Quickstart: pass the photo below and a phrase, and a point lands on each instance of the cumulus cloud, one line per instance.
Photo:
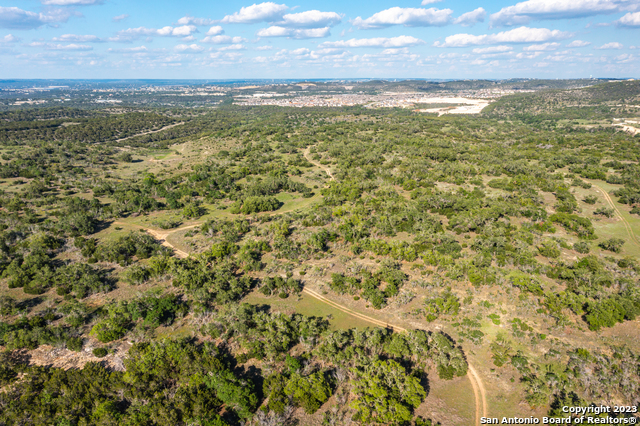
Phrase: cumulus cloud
(612, 45)
(264, 48)
(131, 34)
(69, 47)
(223, 39)
(188, 48)
(71, 2)
(190, 20)
(578, 43)
(310, 19)
(70, 38)
(524, 12)
(120, 18)
(233, 47)
(492, 49)
(517, 35)
(277, 31)
(263, 12)
(629, 20)
(541, 47)
(470, 18)
(139, 49)
(214, 31)
(17, 19)
(409, 17)
(9, 38)
(401, 41)
(426, 2)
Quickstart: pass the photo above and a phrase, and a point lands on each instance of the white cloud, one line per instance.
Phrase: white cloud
(517, 35)
(214, 31)
(69, 47)
(541, 47)
(120, 18)
(612, 45)
(578, 43)
(492, 49)
(310, 19)
(264, 48)
(131, 34)
(470, 18)
(629, 20)
(426, 2)
(139, 49)
(190, 20)
(263, 12)
(71, 2)
(400, 51)
(400, 41)
(223, 39)
(531, 55)
(409, 17)
(18, 19)
(233, 47)
(188, 48)
(70, 38)
(626, 57)
(526, 11)
(277, 31)
(183, 31)
(9, 38)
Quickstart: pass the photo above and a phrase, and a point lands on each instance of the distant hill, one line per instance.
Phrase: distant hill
(557, 102)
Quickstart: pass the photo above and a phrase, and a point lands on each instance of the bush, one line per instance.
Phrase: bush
(74, 344)
(604, 211)
(582, 247)
(590, 199)
(193, 211)
(612, 244)
(100, 352)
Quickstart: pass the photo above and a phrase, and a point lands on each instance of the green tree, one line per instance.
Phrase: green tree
(385, 394)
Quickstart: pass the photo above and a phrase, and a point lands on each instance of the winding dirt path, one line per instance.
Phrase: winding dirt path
(315, 163)
(476, 382)
(170, 126)
(479, 392)
(626, 224)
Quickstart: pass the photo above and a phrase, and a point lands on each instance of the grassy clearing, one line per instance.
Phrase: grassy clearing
(307, 305)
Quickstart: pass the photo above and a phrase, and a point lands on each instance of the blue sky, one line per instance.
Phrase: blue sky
(314, 39)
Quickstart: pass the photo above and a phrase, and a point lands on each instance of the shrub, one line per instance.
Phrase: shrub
(612, 244)
(74, 344)
(582, 247)
(100, 352)
(604, 211)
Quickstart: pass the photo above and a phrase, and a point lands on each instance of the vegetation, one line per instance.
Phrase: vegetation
(489, 230)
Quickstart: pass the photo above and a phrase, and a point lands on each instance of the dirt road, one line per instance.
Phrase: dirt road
(315, 163)
(626, 224)
(151, 131)
(476, 382)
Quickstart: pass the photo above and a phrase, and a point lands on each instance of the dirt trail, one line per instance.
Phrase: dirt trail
(162, 236)
(481, 409)
(626, 224)
(315, 163)
(170, 126)
(476, 382)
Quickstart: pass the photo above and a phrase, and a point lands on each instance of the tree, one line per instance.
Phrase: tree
(385, 394)
(309, 392)
(612, 244)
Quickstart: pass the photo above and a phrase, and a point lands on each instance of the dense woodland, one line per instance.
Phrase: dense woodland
(438, 218)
